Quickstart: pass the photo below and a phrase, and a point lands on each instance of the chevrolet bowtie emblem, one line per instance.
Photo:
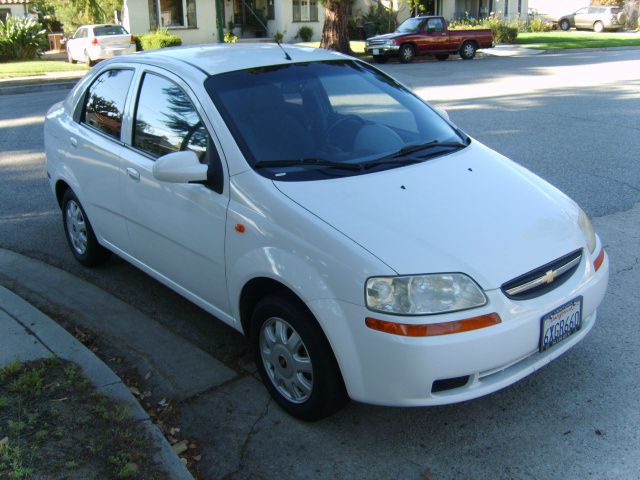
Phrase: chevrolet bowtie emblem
(549, 276)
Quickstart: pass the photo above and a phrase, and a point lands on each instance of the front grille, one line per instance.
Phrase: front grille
(449, 384)
(376, 42)
(543, 279)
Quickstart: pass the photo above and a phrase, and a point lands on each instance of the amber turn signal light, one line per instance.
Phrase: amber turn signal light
(433, 329)
(597, 263)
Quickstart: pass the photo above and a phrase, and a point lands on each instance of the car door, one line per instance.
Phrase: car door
(437, 39)
(582, 17)
(177, 230)
(94, 146)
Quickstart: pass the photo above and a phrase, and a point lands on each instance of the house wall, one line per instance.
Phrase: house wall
(137, 21)
(555, 9)
(16, 10)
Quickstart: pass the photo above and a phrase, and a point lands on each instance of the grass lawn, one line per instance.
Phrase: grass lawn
(54, 424)
(562, 40)
(36, 67)
(357, 46)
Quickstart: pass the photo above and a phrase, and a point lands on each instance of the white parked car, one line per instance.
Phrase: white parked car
(366, 245)
(91, 43)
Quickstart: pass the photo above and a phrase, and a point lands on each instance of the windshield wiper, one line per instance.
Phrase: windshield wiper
(306, 162)
(423, 146)
(386, 161)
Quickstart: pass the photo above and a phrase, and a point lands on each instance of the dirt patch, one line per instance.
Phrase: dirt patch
(54, 424)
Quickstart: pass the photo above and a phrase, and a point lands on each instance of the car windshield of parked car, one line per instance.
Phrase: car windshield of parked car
(316, 119)
(410, 25)
(109, 30)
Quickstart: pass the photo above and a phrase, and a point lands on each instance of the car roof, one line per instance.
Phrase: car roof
(226, 57)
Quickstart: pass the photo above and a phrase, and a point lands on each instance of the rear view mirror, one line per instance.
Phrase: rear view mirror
(180, 167)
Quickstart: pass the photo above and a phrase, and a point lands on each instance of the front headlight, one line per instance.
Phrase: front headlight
(423, 294)
(587, 231)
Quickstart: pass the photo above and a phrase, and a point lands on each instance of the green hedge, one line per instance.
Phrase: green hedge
(21, 39)
(503, 31)
(155, 40)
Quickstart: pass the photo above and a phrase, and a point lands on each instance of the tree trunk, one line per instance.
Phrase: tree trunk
(335, 31)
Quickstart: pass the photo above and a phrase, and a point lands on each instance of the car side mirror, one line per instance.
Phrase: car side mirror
(443, 113)
(180, 167)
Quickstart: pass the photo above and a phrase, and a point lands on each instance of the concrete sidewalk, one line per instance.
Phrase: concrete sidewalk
(39, 83)
(27, 334)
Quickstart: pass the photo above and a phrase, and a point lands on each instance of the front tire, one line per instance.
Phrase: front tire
(407, 53)
(79, 233)
(598, 27)
(564, 24)
(468, 50)
(294, 359)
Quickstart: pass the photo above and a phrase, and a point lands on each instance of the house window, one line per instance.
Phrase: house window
(4, 13)
(173, 13)
(271, 10)
(305, 10)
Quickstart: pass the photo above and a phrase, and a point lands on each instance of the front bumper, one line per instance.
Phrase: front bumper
(382, 50)
(384, 369)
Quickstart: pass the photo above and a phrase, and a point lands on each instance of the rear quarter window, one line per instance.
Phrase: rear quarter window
(104, 101)
(109, 30)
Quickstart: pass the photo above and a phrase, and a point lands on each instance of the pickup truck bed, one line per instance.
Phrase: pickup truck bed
(427, 36)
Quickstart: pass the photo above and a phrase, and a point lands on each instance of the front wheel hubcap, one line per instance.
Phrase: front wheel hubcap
(76, 227)
(286, 360)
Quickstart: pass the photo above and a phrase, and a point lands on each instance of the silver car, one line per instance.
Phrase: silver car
(596, 18)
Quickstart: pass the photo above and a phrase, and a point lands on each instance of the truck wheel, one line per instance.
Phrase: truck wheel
(598, 27)
(564, 24)
(407, 53)
(442, 57)
(295, 360)
(380, 59)
(468, 50)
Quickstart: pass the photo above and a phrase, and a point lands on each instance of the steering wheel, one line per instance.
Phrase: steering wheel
(343, 121)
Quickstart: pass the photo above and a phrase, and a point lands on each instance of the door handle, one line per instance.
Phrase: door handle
(73, 141)
(134, 174)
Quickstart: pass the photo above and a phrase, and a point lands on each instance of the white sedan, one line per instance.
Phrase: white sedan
(91, 43)
(366, 245)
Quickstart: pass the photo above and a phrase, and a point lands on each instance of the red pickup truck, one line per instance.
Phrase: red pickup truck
(427, 36)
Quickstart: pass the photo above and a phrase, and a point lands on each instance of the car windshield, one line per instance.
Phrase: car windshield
(332, 118)
(410, 25)
(109, 30)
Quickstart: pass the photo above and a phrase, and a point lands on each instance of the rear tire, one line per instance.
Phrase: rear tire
(442, 57)
(407, 53)
(468, 50)
(79, 233)
(598, 27)
(564, 24)
(87, 59)
(380, 59)
(295, 360)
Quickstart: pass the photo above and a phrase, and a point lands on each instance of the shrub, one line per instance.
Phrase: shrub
(278, 37)
(159, 39)
(229, 37)
(379, 20)
(21, 38)
(305, 34)
(503, 32)
(539, 25)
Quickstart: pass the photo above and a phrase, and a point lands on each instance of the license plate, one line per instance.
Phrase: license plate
(376, 51)
(560, 323)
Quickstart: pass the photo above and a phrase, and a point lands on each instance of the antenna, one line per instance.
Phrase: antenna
(286, 55)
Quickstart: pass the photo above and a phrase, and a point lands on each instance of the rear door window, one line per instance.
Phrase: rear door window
(104, 101)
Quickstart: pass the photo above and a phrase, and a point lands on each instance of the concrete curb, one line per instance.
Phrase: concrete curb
(11, 88)
(59, 342)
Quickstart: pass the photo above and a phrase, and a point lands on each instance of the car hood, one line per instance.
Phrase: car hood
(388, 36)
(473, 211)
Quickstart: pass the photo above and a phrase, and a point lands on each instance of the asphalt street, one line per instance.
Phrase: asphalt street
(572, 118)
